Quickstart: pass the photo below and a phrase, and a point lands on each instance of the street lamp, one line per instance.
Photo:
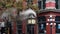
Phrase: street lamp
(31, 21)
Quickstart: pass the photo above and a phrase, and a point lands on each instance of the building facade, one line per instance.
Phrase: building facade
(48, 18)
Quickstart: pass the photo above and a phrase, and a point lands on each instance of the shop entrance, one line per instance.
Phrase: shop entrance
(41, 25)
(45, 28)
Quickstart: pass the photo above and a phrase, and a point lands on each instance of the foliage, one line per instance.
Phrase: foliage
(17, 4)
(11, 3)
(35, 6)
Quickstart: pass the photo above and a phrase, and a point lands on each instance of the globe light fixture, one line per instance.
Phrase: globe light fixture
(50, 18)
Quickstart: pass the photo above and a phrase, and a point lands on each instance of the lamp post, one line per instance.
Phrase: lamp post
(32, 22)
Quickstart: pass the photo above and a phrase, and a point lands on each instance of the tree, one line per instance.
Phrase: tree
(9, 3)
(35, 6)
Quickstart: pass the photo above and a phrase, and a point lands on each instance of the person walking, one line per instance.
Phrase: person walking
(2, 27)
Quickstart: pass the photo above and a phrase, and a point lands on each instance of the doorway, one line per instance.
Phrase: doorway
(41, 25)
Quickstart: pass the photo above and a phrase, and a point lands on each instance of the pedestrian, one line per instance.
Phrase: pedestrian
(2, 26)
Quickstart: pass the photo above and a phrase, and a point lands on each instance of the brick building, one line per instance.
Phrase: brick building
(48, 18)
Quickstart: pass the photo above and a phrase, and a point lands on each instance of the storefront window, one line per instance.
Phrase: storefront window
(57, 19)
(58, 26)
(40, 4)
(41, 24)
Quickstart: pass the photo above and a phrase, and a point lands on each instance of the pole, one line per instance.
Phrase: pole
(31, 26)
(8, 30)
(0, 29)
(31, 29)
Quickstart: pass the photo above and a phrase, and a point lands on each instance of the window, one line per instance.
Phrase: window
(41, 24)
(58, 26)
(41, 27)
(44, 4)
(41, 19)
(41, 4)
(57, 3)
(57, 19)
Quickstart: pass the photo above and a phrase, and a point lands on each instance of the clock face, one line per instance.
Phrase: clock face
(29, 21)
(33, 21)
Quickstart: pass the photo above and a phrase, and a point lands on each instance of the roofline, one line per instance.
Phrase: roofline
(48, 10)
